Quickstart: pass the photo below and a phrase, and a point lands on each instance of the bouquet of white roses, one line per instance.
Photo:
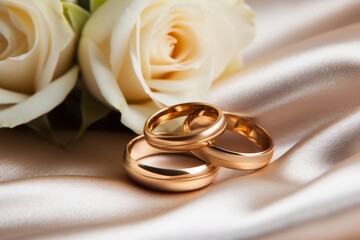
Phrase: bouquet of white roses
(134, 56)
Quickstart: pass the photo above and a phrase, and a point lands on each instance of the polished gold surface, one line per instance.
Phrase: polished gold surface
(164, 179)
(233, 159)
(181, 142)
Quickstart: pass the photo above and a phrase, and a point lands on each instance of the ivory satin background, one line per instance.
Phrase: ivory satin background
(301, 82)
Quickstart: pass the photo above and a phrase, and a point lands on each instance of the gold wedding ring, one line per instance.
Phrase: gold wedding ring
(163, 179)
(180, 142)
(203, 125)
(232, 159)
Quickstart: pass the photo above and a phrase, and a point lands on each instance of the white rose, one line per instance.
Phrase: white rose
(140, 55)
(37, 46)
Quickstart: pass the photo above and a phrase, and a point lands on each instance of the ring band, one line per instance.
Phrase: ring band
(237, 160)
(163, 179)
(185, 141)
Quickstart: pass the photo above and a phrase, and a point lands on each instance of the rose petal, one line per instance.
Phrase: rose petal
(233, 30)
(161, 85)
(41, 102)
(11, 41)
(15, 80)
(240, 16)
(195, 92)
(180, 25)
(135, 115)
(190, 95)
(19, 13)
(46, 42)
(98, 76)
(129, 83)
(112, 34)
(9, 97)
(55, 34)
(130, 11)
(98, 28)
(16, 55)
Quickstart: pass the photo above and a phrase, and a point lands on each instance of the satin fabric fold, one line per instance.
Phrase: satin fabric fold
(300, 82)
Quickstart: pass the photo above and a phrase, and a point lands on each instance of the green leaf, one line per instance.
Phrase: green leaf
(95, 4)
(43, 126)
(75, 15)
(91, 111)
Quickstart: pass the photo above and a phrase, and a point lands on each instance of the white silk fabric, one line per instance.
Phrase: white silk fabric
(301, 81)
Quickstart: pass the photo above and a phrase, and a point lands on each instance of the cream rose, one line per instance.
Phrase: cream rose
(140, 55)
(37, 46)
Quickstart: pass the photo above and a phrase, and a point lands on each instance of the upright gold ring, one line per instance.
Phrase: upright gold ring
(163, 179)
(184, 141)
(232, 159)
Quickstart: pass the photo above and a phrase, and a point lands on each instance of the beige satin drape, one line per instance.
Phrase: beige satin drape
(301, 82)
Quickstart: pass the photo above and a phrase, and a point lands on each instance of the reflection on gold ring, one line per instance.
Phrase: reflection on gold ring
(233, 159)
(185, 141)
(164, 179)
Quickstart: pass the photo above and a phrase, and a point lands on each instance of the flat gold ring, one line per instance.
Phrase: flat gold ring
(232, 159)
(181, 142)
(164, 179)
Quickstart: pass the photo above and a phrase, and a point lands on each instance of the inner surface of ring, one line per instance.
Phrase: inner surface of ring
(250, 130)
(183, 111)
(257, 137)
(163, 163)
